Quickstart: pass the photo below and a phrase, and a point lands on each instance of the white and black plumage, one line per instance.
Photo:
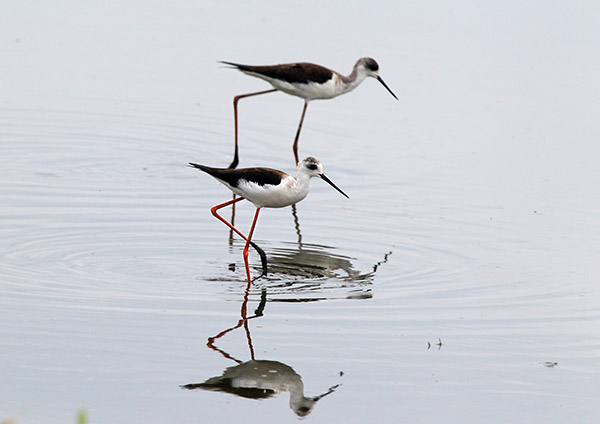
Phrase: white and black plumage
(261, 379)
(308, 81)
(265, 188)
(269, 188)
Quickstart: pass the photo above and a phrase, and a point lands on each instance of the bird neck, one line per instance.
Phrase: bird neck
(299, 403)
(302, 184)
(353, 80)
(303, 181)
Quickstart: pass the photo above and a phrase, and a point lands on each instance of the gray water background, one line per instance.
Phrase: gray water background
(463, 266)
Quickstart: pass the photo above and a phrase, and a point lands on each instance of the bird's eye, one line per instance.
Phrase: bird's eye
(372, 65)
(312, 166)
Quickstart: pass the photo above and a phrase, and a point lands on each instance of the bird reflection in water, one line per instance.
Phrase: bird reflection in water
(315, 263)
(258, 379)
(315, 272)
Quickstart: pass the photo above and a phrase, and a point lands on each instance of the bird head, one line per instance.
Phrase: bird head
(370, 68)
(314, 168)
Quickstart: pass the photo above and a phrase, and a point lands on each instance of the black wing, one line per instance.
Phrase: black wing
(260, 176)
(302, 72)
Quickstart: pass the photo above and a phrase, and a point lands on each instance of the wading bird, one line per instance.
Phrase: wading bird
(305, 80)
(265, 188)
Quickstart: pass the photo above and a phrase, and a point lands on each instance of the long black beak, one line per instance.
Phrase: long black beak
(331, 390)
(385, 85)
(328, 181)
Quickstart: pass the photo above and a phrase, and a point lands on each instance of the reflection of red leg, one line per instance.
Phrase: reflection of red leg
(214, 210)
(232, 221)
(248, 244)
(243, 321)
(244, 312)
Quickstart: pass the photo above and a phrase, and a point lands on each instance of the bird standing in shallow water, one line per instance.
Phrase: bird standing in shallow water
(265, 188)
(305, 80)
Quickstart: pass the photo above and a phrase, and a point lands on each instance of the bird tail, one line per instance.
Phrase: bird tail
(233, 65)
(198, 166)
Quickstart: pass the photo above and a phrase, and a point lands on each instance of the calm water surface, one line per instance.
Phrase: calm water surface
(457, 284)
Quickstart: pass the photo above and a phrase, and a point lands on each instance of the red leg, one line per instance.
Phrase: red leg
(248, 243)
(295, 147)
(235, 161)
(214, 210)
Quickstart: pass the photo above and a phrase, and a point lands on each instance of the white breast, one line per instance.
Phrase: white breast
(310, 91)
(284, 194)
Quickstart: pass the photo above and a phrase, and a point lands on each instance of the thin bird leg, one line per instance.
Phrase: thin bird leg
(295, 147)
(214, 210)
(248, 243)
(263, 256)
(232, 221)
(235, 161)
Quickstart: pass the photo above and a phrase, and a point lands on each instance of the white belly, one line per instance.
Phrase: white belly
(310, 91)
(270, 196)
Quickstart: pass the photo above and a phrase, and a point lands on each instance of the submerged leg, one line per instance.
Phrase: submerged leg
(248, 243)
(235, 161)
(295, 146)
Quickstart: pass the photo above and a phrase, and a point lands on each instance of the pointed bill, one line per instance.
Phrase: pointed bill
(385, 85)
(328, 181)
